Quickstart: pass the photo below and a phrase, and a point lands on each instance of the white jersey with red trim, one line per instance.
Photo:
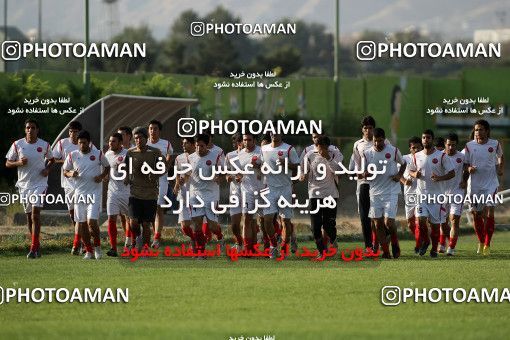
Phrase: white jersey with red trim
(436, 163)
(116, 187)
(333, 150)
(88, 166)
(251, 182)
(360, 146)
(485, 158)
(383, 184)
(29, 175)
(61, 150)
(163, 145)
(270, 156)
(180, 161)
(409, 189)
(452, 186)
(207, 189)
(235, 187)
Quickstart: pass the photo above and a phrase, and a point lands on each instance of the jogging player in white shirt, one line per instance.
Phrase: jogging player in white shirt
(204, 189)
(118, 192)
(279, 185)
(410, 190)
(431, 168)
(181, 188)
(84, 165)
(485, 162)
(127, 135)
(323, 187)
(384, 189)
(32, 157)
(455, 187)
(251, 184)
(231, 159)
(166, 149)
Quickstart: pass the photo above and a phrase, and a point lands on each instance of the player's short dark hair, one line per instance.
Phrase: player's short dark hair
(117, 135)
(84, 135)
(156, 122)
(414, 140)
(453, 137)
(126, 129)
(75, 125)
(250, 134)
(189, 139)
(368, 121)
(379, 133)
(202, 137)
(237, 137)
(32, 121)
(428, 132)
(483, 123)
(140, 130)
(439, 142)
(323, 140)
(266, 138)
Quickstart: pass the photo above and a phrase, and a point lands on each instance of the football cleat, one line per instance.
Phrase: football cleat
(88, 256)
(273, 252)
(76, 251)
(395, 251)
(155, 244)
(38, 253)
(441, 249)
(486, 250)
(386, 256)
(417, 250)
(293, 244)
(433, 253)
(31, 255)
(450, 251)
(112, 253)
(98, 253)
(424, 248)
(480, 248)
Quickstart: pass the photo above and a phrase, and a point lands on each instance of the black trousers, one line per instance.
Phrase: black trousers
(364, 207)
(324, 218)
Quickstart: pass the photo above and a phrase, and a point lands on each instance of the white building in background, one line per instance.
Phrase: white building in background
(495, 36)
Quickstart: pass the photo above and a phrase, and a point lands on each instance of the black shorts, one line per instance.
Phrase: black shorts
(142, 210)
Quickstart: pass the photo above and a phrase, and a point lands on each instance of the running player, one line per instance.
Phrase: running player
(456, 188)
(410, 191)
(384, 190)
(278, 185)
(430, 167)
(166, 149)
(235, 189)
(32, 157)
(251, 184)
(61, 151)
(181, 188)
(484, 159)
(324, 220)
(84, 165)
(118, 192)
(204, 193)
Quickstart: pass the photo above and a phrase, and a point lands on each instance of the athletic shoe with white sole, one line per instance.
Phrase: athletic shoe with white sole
(450, 252)
(98, 253)
(88, 256)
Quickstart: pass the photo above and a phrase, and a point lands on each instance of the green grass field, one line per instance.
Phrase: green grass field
(293, 299)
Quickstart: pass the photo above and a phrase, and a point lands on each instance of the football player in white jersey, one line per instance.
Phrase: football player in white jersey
(204, 193)
(430, 167)
(215, 227)
(118, 192)
(251, 184)
(32, 157)
(323, 222)
(235, 189)
(181, 188)
(410, 189)
(84, 165)
(127, 135)
(456, 187)
(61, 150)
(166, 149)
(279, 185)
(384, 189)
(363, 188)
(484, 159)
